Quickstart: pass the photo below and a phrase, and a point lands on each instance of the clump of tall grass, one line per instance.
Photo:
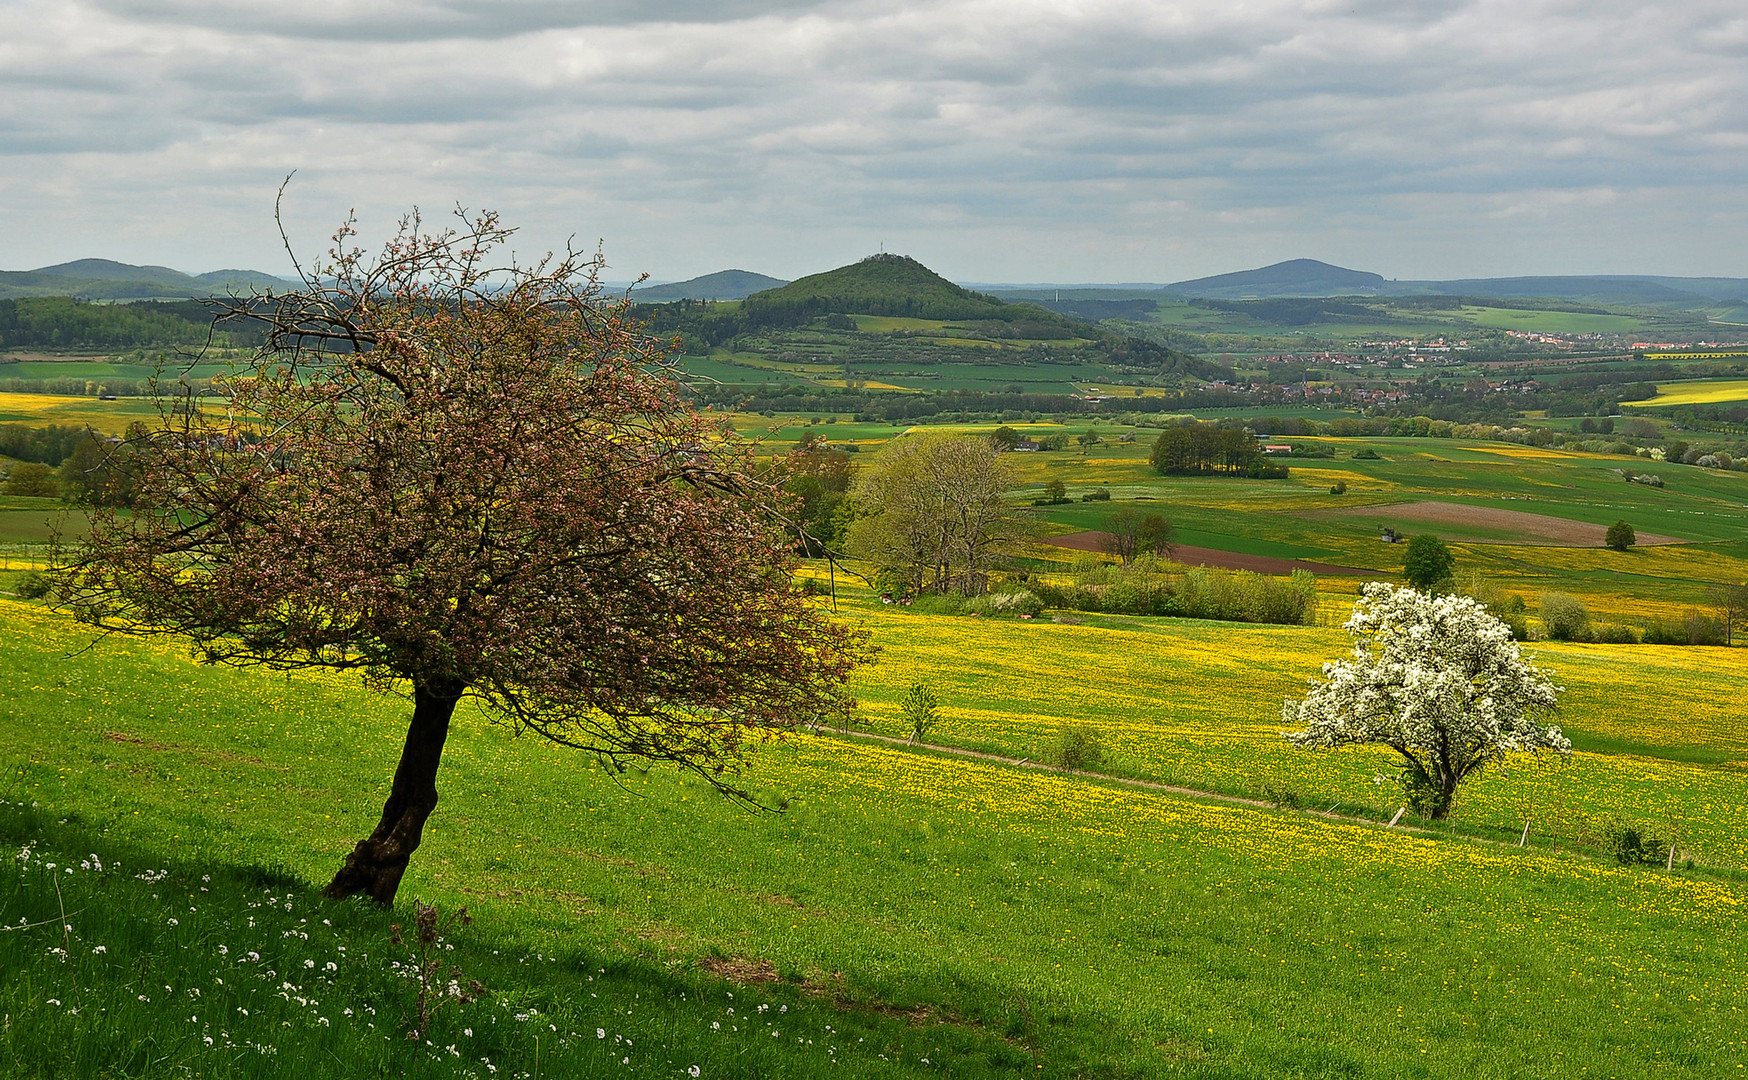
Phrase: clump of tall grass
(1078, 747)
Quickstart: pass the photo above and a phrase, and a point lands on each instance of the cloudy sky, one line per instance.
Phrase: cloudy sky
(996, 140)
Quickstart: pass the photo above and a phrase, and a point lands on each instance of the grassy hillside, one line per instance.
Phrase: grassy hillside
(722, 285)
(907, 915)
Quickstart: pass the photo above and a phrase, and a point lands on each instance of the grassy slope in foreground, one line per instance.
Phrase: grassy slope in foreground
(1101, 932)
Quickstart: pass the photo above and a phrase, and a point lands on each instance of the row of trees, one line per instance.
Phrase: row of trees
(63, 322)
(88, 468)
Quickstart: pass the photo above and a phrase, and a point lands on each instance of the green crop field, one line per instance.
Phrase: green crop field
(100, 370)
(27, 520)
(723, 370)
(908, 914)
(1552, 322)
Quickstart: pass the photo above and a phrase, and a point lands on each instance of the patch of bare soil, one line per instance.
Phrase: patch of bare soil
(1201, 556)
(740, 969)
(1517, 526)
(205, 757)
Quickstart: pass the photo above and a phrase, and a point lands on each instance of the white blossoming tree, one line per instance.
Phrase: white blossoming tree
(1438, 680)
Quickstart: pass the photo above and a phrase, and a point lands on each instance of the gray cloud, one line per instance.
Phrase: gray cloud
(1097, 139)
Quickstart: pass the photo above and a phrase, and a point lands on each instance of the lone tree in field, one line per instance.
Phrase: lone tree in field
(464, 477)
(1731, 604)
(1428, 562)
(1436, 679)
(1620, 536)
(934, 515)
(1129, 532)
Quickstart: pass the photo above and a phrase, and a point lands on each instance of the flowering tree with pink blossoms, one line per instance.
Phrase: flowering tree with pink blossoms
(460, 476)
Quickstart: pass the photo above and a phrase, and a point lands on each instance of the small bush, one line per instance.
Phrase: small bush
(1634, 843)
(921, 709)
(1366, 453)
(1696, 628)
(1263, 469)
(1564, 617)
(1282, 798)
(1015, 603)
(937, 604)
(35, 585)
(1615, 634)
(1339, 488)
(1702, 629)
(31, 478)
(1662, 633)
(1078, 746)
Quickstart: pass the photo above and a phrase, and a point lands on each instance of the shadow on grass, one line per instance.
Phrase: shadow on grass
(132, 961)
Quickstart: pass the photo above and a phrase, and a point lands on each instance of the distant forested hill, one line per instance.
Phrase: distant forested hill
(878, 285)
(1295, 277)
(104, 279)
(722, 285)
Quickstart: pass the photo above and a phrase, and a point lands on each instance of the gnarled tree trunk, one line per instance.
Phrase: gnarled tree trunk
(375, 866)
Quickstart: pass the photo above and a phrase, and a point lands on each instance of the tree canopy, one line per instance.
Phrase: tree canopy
(1438, 680)
(1129, 531)
(1428, 561)
(933, 515)
(464, 477)
(1209, 448)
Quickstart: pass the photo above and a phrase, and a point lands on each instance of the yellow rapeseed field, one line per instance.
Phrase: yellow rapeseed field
(1198, 704)
(1707, 392)
(36, 403)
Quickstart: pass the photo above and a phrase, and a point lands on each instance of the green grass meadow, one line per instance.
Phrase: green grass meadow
(906, 914)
